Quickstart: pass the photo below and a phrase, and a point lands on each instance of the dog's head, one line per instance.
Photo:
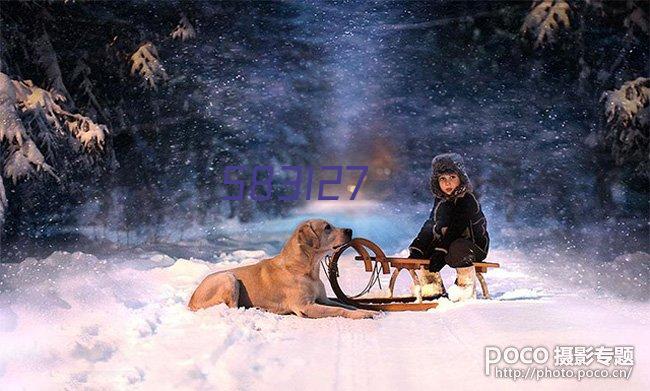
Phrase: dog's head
(319, 236)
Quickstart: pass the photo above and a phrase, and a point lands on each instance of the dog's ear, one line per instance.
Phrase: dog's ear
(307, 236)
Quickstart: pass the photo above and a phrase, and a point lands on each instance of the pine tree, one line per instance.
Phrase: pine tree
(628, 124)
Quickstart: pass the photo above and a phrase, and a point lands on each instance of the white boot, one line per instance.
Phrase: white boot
(431, 285)
(465, 286)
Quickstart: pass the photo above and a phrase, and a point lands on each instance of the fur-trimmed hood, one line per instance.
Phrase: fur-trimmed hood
(445, 163)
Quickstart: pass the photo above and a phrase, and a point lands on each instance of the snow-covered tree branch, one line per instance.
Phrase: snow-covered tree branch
(145, 61)
(545, 20)
(23, 155)
(628, 118)
(28, 115)
(81, 75)
(184, 30)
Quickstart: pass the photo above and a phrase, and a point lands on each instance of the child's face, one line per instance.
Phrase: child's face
(448, 182)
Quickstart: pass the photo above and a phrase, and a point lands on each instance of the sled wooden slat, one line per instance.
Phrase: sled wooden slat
(394, 304)
(398, 299)
(400, 306)
(403, 262)
(487, 264)
(413, 263)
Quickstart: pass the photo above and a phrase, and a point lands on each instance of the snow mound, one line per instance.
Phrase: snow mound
(520, 294)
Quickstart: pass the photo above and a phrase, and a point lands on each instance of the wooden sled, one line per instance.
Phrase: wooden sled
(379, 261)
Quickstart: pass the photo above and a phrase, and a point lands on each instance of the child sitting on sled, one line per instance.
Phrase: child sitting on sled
(455, 233)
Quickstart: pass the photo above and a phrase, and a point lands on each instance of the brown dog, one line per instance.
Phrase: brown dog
(288, 283)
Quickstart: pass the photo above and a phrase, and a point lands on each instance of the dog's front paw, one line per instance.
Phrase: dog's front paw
(364, 314)
(374, 314)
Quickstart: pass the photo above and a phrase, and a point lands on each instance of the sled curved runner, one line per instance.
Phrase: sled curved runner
(379, 261)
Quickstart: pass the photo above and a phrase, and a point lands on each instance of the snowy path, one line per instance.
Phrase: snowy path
(124, 324)
(73, 321)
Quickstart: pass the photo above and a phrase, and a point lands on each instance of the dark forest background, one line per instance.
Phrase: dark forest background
(546, 100)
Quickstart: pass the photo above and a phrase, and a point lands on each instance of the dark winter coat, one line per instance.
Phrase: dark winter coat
(460, 212)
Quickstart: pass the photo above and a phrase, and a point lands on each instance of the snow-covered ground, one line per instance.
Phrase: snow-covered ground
(74, 321)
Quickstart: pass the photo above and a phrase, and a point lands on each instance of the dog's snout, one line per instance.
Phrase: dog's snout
(348, 231)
